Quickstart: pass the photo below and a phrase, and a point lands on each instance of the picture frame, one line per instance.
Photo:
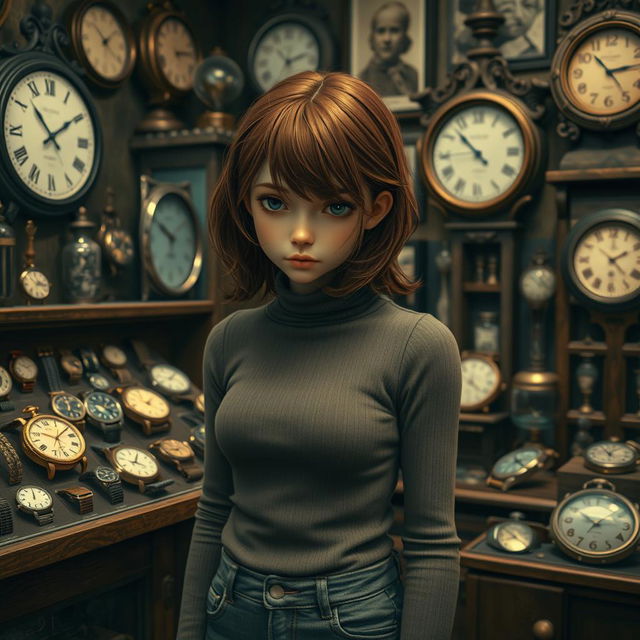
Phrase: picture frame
(532, 29)
(396, 67)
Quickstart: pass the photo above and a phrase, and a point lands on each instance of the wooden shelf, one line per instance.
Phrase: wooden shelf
(480, 287)
(580, 346)
(29, 316)
(181, 138)
(630, 420)
(596, 417)
(589, 175)
(484, 418)
(631, 349)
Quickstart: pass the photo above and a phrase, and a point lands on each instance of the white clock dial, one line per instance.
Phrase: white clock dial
(478, 153)
(34, 498)
(35, 284)
(136, 461)
(606, 261)
(516, 462)
(610, 453)
(6, 384)
(25, 368)
(176, 53)
(114, 355)
(104, 42)
(170, 378)
(514, 536)
(287, 48)
(146, 402)
(49, 135)
(55, 439)
(538, 284)
(479, 381)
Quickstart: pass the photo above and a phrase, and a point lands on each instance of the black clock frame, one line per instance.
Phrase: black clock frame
(583, 226)
(12, 70)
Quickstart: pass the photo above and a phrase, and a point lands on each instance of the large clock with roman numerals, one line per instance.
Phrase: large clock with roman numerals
(50, 146)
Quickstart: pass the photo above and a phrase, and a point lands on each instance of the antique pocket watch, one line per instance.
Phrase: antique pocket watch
(513, 535)
(612, 457)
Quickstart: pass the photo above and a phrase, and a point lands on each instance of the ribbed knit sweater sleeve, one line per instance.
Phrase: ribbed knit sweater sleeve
(428, 400)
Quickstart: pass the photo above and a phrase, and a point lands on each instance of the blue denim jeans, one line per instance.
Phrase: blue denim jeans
(365, 604)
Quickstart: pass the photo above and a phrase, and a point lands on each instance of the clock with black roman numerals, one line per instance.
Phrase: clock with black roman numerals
(480, 153)
(50, 146)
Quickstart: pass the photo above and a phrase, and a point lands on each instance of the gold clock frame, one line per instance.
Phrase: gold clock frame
(530, 164)
(560, 89)
(74, 22)
(494, 393)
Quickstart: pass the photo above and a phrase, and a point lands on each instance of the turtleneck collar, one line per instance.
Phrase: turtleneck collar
(317, 308)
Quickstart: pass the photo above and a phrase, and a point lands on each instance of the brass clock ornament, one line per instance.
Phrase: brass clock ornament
(102, 41)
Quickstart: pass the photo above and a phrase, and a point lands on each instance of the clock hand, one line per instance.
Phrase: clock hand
(106, 40)
(476, 152)
(300, 55)
(166, 232)
(54, 134)
(95, 26)
(44, 124)
(625, 67)
(608, 72)
(624, 253)
(612, 261)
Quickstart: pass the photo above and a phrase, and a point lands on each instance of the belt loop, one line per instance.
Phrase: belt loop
(233, 568)
(322, 594)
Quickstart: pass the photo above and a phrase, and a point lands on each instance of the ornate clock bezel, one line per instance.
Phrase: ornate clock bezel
(312, 23)
(576, 233)
(497, 389)
(74, 21)
(160, 89)
(560, 90)
(156, 192)
(12, 70)
(530, 163)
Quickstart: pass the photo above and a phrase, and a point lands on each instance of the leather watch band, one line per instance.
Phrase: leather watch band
(12, 459)
(111, 432)
(81, 497)
(192, 471)
(51, 371)
(142, 353)
(156, 488)
(6, 519)
(123, 375)
(150, 429)
(74, 377)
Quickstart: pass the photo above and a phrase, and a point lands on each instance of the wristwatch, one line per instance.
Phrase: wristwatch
(24, 370)
(180, 455)
(107, 480)
(146, 407)
(115, 359)
(63, 403)
(37, 502)
(135, 466)
(91, 367)
(80, 497)
(12, 459)
(105, 413)
(6, 385)
(71, 365)
(50, 441)
(519, 465)
(6, 518)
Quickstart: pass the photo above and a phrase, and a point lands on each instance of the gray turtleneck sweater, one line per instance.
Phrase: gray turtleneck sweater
(313, 403)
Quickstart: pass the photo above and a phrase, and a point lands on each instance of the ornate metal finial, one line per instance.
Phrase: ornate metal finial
(484, 67)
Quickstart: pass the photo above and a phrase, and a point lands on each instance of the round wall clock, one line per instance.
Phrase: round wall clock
(595, 72)
(287, 44)
(481, 381)
(480, 153)
(601, 260)
(51, 143)
(102, 41)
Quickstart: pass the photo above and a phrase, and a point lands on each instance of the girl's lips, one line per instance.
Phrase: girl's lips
(303, 264)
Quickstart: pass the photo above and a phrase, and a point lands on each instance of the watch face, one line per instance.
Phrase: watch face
(480, 381)
(49, 135)
(538, 284)
(145, 402)
(176, 449)
(71, 364)
(103, 407)
(478, 153)
(34, 498)
(106, 474)
(516, 462)
(136, 461)
(114, 356)
(169, 379)
(610, 455)
(24, 368)
(68, 406)
(514, 537)
(98, 381)
(176, 53)
(54, 439)
(173, 243)
(602, 72)
(119, 246)
(6, 384)
(286, 48)
(35, 284)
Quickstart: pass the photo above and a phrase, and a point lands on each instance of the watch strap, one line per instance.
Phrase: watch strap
(26, 386)
(7, 405)
(155, 488)
(123, 375)
(6, 519)
(74, 377)
(51, 371)
(142, 353)
(495, 483)
(12, 459)
(43, 518)
(113, 489)
(110, 432)
(81, 497)
(150, 429)
(192, 471)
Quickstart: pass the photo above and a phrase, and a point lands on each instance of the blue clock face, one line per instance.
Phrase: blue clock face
(173, 241)
(516, 462)
(101, 406)
(68, 406)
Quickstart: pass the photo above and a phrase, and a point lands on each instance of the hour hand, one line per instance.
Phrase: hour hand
(44, 124)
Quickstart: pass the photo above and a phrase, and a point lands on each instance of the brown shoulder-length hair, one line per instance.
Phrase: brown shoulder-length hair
(322, 134)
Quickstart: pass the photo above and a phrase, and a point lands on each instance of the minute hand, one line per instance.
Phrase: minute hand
(476, 152)
(625, 67)
(54, 134)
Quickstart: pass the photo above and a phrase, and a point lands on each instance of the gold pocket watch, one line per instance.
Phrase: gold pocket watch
(116, 242)
(34, 284)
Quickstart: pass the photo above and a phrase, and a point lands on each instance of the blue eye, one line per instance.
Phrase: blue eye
(340, 208)
(272, 204)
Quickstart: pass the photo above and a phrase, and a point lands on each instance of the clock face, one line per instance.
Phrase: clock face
(169, 378)
(146, 402)
(104, 42)
(514, 536)
(176, 53)
(49, 135)
(516, 462)
(71, 364)
(34, 498)
(106, 474)
(136, 462)
(478, 153)
(24, 368)
(612, 454)
(55, 439)
(603, 73)
(98, 381)
(68, 406)
(176, 449)
(606, 262)
(6, 384)
(173, 243)
(35, 284)
(103, 407)
(538, 284)
(115, 356)
(480, 380)
(286, 48)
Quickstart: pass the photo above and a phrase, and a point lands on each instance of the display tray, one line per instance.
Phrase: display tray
(66, 515)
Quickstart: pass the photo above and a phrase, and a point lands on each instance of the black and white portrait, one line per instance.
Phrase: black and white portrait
(387, 48)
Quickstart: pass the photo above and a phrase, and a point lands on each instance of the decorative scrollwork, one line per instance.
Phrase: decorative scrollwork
(567, 129)
(583, 8)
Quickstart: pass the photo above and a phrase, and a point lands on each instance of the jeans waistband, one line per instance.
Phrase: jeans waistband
(286, 592)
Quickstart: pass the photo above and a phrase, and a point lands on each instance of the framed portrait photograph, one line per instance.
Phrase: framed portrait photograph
(526, 39)
(388, 48)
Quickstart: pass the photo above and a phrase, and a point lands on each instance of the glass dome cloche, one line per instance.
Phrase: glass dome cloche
(533, 401)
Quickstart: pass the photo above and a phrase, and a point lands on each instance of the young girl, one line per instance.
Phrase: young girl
(315, 400)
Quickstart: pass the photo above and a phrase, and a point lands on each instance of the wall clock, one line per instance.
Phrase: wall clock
(601, 260)
(480, 153)
(102, 41)
(170, 242)
(595, 72)
(481, 381)
(287, 44)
